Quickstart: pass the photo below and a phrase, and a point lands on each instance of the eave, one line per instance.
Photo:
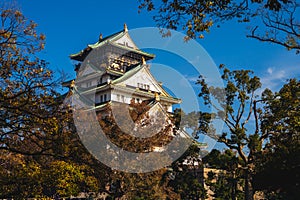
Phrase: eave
(80, 56)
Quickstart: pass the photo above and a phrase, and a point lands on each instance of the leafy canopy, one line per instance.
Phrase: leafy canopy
(30, 114)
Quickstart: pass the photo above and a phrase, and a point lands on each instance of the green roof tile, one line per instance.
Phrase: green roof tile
(108, 40)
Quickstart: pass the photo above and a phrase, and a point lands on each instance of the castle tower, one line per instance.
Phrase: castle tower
(115, 70)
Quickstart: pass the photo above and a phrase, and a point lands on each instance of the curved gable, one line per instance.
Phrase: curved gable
(126, 40)
(143, 79)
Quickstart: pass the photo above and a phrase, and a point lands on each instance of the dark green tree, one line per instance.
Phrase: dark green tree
(278, 168)
(224, 178)
(186, 174)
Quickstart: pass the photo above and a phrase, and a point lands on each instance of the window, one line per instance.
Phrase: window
(101, 98)
(105, 97)
(123, 98)
(143, 86)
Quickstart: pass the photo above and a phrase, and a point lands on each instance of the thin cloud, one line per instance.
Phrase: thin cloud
(192, 79)
(270, 70)
(274, 78)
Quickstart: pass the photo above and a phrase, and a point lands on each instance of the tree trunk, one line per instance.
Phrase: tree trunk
(248, 185)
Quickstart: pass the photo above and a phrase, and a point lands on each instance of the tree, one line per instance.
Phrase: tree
(31, 115)
(235, 105)
(187, 121)
(151, 185)
(278, 169)
(281, 116)
(67, 178)
(273, 21)
(38, 145)
(37, 177)
(159, 184)
(225, 178)
(186, 174)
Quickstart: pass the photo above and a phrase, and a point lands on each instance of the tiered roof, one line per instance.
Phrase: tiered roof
(119, 84)
(112, 41)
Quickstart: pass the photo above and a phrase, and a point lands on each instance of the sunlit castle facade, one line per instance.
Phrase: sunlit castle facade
(115, 70)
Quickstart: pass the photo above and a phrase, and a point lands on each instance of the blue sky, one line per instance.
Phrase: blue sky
(69, 25)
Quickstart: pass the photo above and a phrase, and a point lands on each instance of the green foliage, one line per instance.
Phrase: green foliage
(18, 178)
(26, 177)
(66, 178)
(278, 167)
(281, 118)
(141, 185)
(225, 186)
(225, 178)
(188, 185)
(278, 18)
(186, 175)
(226, 161)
